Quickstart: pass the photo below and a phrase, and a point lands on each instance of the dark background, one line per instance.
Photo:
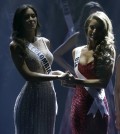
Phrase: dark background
(54, 28)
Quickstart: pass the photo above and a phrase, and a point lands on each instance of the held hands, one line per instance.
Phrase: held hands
(61, 75)
(67, 76)
(68, 80)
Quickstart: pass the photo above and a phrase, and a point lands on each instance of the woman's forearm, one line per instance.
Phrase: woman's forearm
(91, 82)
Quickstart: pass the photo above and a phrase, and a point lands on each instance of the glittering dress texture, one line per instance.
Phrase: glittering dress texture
(81, 122)
(35, 106)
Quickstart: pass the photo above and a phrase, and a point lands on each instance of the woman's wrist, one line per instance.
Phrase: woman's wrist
(56, 77)
(78, 81)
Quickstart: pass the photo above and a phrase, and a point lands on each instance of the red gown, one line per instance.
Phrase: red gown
(81, 121)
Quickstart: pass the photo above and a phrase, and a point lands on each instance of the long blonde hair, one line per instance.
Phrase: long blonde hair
(103, 53)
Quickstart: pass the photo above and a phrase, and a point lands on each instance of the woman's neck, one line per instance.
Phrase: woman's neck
(30, 37)
(92, 44)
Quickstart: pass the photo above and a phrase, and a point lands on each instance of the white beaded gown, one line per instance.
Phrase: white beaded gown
(35, 106)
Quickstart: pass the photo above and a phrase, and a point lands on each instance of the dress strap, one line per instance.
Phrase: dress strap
(77, 55)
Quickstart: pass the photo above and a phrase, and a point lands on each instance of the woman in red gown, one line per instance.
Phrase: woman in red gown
(93, 64)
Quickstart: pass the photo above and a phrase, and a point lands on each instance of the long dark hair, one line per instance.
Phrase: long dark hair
(18, 30)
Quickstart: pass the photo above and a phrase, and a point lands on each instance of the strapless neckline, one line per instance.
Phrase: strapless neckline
(92, 62)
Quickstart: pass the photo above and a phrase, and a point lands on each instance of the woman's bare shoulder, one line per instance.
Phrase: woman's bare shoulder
(45, 40)
(78, 48)
(14, 46)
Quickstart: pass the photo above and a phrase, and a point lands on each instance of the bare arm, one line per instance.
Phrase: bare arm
(25, 71)
(102, 82)
(56, 72)
(63, 49)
